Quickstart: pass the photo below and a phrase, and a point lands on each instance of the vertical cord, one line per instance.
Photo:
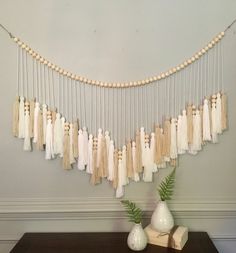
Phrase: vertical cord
(26, 75)
(84, 109)
(59, 93)
(33, 78)
(22, 73)
(18, 71)
(53, 91)
(48, 85)
(222, 65)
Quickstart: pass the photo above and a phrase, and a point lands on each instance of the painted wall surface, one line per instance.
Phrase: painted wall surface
(109, 40)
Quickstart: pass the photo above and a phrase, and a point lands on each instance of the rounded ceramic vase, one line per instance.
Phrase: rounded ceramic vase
(137, 239)
(162, 219)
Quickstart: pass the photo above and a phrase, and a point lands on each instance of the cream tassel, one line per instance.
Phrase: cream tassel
(152, 152)
(72, 159)
(81, 165)
(173, 143)
(66, 148)
(27, 142)
(129, 161)
(206, 122)
(103, 166)
(99, 146)
(108, 139)
(58, 135)
(163, 163)
(111, 161)
(138, 153)
(135, 174)
(190, 123)
(142, 141)
(224, 119)
(85, 145)
(167, 137)
(115, 179)
(214, 122)
(218, 114)
(36, 116)
(63, 123)
(40, 145)
(15, 117)
(95, 179)
(21, 118)
(32, 107)
(124, 178)
(158, 153)
(148, 165)
(89, 168)
(44, 122)
(180, 135)
(75, 139)
(49, 138)
(197, 136)
(120, 186)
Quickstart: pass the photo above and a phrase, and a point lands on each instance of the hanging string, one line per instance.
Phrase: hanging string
(222, 66)
(53, 91)
(22, 73)
(18, 72)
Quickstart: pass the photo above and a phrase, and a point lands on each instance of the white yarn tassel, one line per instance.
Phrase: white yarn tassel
(49, 141)
(214, 124)
(180, 135)
(44, 122)
(72, 159)
(197, 136)
(21, 133)
(99, 146)
(120, 188)
(108, 139)
(111, 161)
(81, 165)
(152, 152)
(124, 178)
(173, 142)
(142, 140)
(85, 145)
(60, 151)
(206, 122)
(218, 114)
(36, 115)
(89, 168)
(58, 135)
(134, 161)
(184, 131)
(148, 164)
(27, 143)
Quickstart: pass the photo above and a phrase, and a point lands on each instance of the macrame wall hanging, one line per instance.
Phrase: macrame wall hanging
(120, 131)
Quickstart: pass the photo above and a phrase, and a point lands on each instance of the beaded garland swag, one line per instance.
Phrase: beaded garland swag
(68, 116)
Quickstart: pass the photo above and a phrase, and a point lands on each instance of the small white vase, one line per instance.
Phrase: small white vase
(162, 219)
(137, 239)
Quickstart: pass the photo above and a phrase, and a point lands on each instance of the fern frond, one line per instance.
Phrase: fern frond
(134, 213)
(166, 187)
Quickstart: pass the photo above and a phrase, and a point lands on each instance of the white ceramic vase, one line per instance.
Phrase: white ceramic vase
(162, 219)
(137, 239)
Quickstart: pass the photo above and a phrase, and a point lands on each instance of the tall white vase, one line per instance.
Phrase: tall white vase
(137, 239)
(162, 219)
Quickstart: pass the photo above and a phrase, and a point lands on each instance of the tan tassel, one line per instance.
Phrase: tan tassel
(15, 117)
(103, 166)
(40, 138)
(95, 179)
(201, 116)
(75, 139)
(115, 179)
(53, 113)
(129, 161)
(190, 123)
(224, 117)
(167, 138)
(31, 123)
(139, 167)
(158, 153)
(66, 148)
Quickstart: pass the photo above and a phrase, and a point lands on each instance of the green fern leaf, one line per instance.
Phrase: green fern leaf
(134, 213)
(166, 188)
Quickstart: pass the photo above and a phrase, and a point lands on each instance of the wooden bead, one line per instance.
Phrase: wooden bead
(189, 61)
(150, 80)
(45, 62)
(185, 63)
(37, 57)
(159, 77)
(34, 54)
(139, 83)
(203, 51)
(210, 45)
(181, 65)
(199, 54)
(19, 43)
(30, 51)
(193, 59)
(23, 45)
(173, 70)
(68, 74)
(131, 84)
(105, 84)
(146, 81)
(57, 69)
(155, 78)
(143, 82)
(135, 83)
(222, 34)
(110, 85)
(15, 39)
(206, 48)
(93, 82)
(216, 40)
(27, 49)
(178, 68)
(61, 71)
(122, 85)
(53, 66)
(41, 59)
(73, 76)
(64, 73)
(162, 75)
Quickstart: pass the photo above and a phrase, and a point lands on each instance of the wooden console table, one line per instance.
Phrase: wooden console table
(198, 242)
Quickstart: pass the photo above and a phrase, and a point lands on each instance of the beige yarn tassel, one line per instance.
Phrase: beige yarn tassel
(75, 139)
(158, 156)
(167, 138)
(15, 117)
(21, 129)
(129, 162)
(66, 148)
(190, 123)
(31, 123)
(72, 159)
(95, 179)
(115, 178)
(201, 117)
(139, 167)
(40, 145)
(27, 141)
(224, 117)
(103, 165)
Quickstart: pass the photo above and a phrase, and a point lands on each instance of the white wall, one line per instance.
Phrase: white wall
(103, 39)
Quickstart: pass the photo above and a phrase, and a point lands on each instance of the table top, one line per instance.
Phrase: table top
(198, 242)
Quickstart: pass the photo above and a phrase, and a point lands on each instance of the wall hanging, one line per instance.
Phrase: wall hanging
(120, 131)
